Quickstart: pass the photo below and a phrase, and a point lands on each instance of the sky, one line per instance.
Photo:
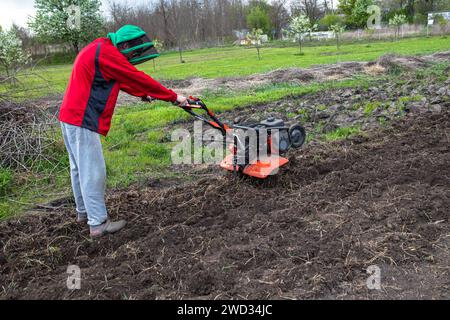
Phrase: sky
(18, 11)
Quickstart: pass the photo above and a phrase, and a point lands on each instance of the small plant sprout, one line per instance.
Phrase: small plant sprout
(337, 29)
(159, 45)
(397, 21)
(254, 38)
(300, 26)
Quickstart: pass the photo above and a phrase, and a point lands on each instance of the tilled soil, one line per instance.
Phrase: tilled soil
(310, 232)
(324, 111)
(317, 73)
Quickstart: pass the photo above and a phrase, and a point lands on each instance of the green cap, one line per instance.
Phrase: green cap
(125, 33)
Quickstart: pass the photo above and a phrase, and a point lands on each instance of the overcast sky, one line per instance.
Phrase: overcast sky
(18, 11)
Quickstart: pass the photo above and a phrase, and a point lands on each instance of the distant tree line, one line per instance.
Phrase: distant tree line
(190, 23)
(353, 13)
(178, 22)
(207, 21)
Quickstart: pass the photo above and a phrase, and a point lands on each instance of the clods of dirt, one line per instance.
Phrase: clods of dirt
(310, 232)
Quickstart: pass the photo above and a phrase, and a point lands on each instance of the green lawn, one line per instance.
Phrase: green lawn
(240, 61)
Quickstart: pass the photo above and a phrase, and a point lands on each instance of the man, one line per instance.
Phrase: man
(100, 71)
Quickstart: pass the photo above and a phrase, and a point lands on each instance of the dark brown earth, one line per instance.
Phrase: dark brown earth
(310, 232)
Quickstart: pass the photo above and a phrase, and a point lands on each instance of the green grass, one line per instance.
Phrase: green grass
(342, 133)
(240, 61)
(370, 107)
(6, 177)
(410, 98)
(27, 189)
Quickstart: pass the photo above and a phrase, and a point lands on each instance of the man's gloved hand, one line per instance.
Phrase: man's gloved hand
(147, 99)
(182, 100)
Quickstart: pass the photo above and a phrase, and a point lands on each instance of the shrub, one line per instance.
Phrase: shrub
(328, 20)
(12, 55)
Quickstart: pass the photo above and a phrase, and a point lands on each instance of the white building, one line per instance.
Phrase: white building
(431, 15)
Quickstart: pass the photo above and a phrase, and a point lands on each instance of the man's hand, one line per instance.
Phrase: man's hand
(182, 101)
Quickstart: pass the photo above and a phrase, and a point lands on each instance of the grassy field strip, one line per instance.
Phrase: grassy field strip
(241, 61)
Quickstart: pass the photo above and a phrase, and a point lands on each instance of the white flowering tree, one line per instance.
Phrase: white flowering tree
(254, 37)
(299, 27)
(338, 30)
(12, 55)
(397, 21)
(74, 22)
(159, 45)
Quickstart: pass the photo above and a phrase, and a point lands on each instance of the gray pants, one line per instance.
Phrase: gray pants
(87, 172)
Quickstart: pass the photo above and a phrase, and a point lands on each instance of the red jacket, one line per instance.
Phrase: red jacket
(99, 72)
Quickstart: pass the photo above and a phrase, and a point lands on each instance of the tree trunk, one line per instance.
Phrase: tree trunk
(180, 51)
(76, 47)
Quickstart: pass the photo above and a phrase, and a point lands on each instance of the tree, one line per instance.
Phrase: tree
(258, 19)
(205, 22)
(359, 15)
(346, 6)
(328, 20)
(442, 22)
(68, 21)
(159, 45)
(279, 17)
(337, 29)
(312, 9)
(254, 37)
(355, 12)
(12, 55)
(300, 26)
(397, 21)
(23, 34)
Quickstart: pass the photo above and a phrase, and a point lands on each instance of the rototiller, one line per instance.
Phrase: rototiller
(260, 159)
